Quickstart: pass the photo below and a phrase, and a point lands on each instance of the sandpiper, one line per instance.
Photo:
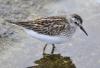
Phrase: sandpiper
(53, 29)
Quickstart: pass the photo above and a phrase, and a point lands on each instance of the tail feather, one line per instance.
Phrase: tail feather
(21, 23)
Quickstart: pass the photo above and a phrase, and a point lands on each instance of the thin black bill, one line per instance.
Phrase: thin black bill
(83, 30)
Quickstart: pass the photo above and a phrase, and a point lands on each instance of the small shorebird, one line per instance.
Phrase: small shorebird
(54, 29)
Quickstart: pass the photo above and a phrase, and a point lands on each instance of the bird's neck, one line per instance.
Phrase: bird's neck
(72, 25)
(73, 28)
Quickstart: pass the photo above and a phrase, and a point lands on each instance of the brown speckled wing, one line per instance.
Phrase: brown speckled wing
(50, 25)
(53, 25)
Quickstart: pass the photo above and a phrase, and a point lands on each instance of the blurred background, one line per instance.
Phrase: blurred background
(18, 50)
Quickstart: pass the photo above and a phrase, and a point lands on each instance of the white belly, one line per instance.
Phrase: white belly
(46, 38)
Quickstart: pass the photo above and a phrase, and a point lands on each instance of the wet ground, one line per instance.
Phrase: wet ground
(18, 50)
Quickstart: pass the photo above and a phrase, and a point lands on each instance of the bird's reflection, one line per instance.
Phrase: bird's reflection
(54, 61)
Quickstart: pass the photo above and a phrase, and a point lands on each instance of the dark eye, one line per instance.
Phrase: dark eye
(76, 23)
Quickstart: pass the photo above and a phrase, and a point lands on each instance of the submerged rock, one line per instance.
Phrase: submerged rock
(54, 61)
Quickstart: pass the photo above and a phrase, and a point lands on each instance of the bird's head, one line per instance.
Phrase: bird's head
(77, 20)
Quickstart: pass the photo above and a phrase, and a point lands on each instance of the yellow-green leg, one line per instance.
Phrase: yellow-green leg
(53, 48)
(44, 48)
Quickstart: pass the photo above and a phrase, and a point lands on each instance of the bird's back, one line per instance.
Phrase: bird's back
(52, 26)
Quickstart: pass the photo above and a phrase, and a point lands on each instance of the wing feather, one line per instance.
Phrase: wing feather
(53, 25)
(50, 25)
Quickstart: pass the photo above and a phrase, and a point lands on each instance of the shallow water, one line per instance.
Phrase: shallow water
(84, 51)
